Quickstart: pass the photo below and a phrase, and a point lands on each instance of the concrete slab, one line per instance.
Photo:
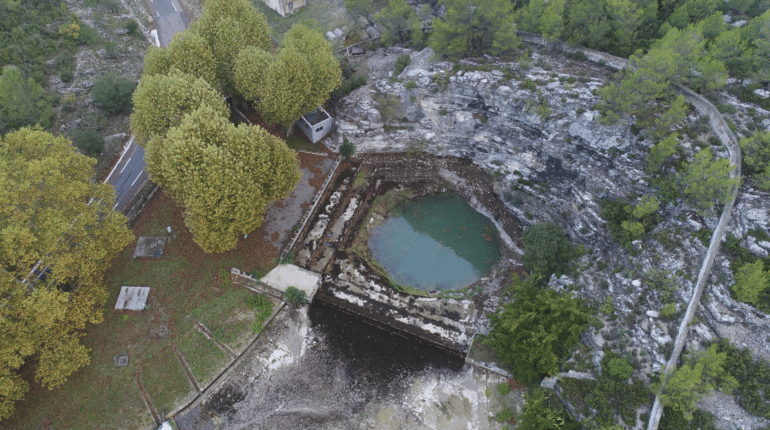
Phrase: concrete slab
(150, 246)
(132, 299)
(289, 275)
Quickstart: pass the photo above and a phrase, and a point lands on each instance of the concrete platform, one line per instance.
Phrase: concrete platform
(150, 246)
(289, 275)
(132, 299)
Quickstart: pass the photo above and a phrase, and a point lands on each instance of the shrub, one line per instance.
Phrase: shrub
(410, 85)
(538, 414)
(668, 311)
(347, 87)
(619, 368)
(536, 332)
(88, 141)
(347, 148)
(294, 295)
(113, 93)
(547, 249)
(66, 76)
(401, 64)
(503, 388)
(131, 26)
(753, 376)
(263, 308)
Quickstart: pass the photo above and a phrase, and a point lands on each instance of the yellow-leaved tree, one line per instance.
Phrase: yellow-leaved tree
(188, 52)
(285, 89)
(160, 102)
(224, 176)
(55, 219)
(228, 26)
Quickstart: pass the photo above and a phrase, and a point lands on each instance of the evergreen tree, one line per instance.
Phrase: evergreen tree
(751, 280)
(659, 152)
(474, 27)
(706, 181)
(399, 21)
(756, 158)
(22, 103)
(537, 331)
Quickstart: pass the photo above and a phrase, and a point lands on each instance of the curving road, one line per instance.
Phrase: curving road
(129, 175)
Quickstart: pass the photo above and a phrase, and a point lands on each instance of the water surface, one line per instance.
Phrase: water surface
(437, 242)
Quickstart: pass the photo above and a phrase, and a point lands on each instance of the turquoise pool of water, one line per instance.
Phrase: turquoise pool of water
(437, 242)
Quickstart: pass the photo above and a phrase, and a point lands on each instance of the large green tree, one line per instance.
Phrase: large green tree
(399, 21)
(756, 158)
(52, 216)
(547, 249)
(706, 181)
(224, 176)
(22, 102)
(536, 332)
(250, 70)
(473, 27)
(700, 374)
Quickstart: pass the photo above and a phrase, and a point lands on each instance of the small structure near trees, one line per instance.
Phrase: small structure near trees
(285, 7)
(316, 124)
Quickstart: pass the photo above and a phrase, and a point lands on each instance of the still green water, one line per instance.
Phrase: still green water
(437, 242)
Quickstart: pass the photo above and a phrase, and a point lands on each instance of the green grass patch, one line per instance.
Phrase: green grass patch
(202, 355)
(164, 379)
(227, 317)
(360, 179)
(299, 142)
(262, 307)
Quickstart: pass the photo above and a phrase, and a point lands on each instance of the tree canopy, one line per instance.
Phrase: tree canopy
(188, 52)
(536, 332)
(547, 249)
(50, 212)
(706, 181)
(474, 27)
(224, 176)
(228, 26)
(22, 102)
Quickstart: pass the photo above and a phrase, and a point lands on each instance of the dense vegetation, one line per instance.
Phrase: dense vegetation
(535, 332)
(42, 324)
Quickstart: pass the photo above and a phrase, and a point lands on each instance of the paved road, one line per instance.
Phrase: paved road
(129, 174)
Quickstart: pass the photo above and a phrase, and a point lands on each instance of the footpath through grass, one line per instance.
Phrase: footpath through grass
(185, 282)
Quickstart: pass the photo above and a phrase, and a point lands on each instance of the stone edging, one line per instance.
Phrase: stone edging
(722, 130)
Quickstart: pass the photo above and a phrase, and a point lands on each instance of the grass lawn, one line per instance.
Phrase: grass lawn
(101, 396)
(164, 380)
(298, 141)
(202, 355)
(227, 317)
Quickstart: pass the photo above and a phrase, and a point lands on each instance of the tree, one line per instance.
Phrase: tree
(325, 74)
(358, 7)
(250, 70)
(347, 148)
(88, 140)
(473, 27)
(224, 176)
(552, 20)
(528, 18)
(538, 414)
(22, 103)
(756, 158)
(66, 222)
(228, 26)
(659, 152)
(113, 93)
(399, 21)
(285, 88)
(751, 280)
(707, 181)
(698, 376)
(188, 53)
(536, 332)
(161, 101)
(547, 249)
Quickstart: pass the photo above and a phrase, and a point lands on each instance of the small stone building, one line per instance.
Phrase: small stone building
(316, 124)
(285, 7)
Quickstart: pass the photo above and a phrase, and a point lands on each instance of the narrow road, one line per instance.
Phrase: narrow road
(129, 175)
